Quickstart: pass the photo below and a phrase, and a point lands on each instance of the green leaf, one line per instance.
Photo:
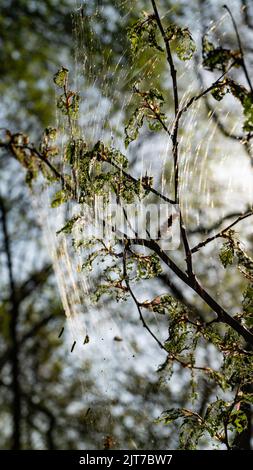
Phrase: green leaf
(148, 267)
(69, 154)
(69, 105)
(242, 94)
(218, 58)
(215, 415)
(246, 99)
(75, 150)
(134, 125)
(61, 103)
(246, 398)
(67, 228)
(166, 304)
(61, 77)
(74, 105)
(31, 175)
(119, 158)
(51, 133)
(182, 41)
(143, 33)
(248, 299)
(248, 306)
(149, 109)
(171, 415)
(248, 112)
(238, 420)
(59, 198)
(191, 431)
(154, 93)
(227, 254)
(220, 90)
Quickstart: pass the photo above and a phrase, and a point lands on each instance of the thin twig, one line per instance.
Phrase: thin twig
(173, 73)
(215, 117)
(169, 55)
(187, 248)
(205, 230)
(34, 152)
(174, 138)
(203, 93)
(240, 48)
(145, 186)
(222, 232)
(66, 94)
(137, 303)
(158, 117)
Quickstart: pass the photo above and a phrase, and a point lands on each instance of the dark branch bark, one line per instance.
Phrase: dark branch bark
(14, 352)
(174, 138)
(194, 284)
(137, 303)
(173, 72)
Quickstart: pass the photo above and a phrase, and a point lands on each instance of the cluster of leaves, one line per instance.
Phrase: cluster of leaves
(149, 108)
(248, 306)
(218, 58)
(219, 415)
(181, 40)
(48, 146)
(227, 252)
(143, 33)
(99, 171)
(146, 267)
(186, 332)
(27, 155)
(19, 145)
(240, 93)
(68, 101)
(232, 251)
(184, 329)
(106, 258)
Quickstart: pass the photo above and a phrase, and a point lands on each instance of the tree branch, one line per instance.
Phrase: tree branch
(246, 73)
(174, 138)
(137, 303)
(194, 284)
(222, 232)
(65, 184)
(194, 99)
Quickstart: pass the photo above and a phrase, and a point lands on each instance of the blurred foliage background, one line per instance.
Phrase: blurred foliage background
(42, 401)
